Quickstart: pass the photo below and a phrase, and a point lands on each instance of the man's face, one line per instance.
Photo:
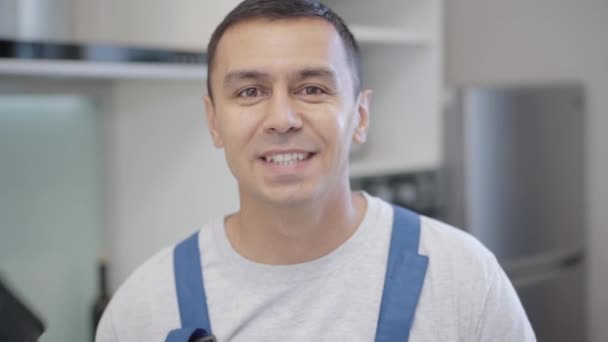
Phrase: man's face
(284, 109)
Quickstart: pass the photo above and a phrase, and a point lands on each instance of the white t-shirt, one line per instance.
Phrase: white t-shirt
(466, 296)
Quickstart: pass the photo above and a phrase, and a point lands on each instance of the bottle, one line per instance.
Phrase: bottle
(103, 297)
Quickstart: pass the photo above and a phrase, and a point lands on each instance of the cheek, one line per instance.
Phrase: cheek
(342, 125)
(237, 128)
(330, 118)
(336, 133)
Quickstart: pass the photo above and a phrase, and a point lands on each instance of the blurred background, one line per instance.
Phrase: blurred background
(491, 115)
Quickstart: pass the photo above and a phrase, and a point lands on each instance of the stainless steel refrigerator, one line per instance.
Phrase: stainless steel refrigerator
(514, 177)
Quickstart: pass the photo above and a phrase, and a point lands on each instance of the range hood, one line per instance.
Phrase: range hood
(98, 61)
(38, 38)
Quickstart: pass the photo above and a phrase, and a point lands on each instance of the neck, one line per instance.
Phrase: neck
(291, 234)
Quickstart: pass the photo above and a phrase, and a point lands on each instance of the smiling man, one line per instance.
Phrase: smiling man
(305, 258)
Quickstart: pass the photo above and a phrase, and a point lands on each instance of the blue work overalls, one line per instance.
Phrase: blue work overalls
(403, 283)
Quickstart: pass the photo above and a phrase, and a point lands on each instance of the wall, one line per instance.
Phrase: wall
(544, 40)
(160, 165)
(162, 171)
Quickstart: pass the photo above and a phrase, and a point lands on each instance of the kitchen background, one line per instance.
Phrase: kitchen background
(104, 152)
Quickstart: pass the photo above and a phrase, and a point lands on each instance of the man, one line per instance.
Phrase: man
(305, 258)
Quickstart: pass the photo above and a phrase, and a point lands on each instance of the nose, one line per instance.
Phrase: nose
(281, 116)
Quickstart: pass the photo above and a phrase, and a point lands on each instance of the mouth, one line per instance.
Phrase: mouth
(287, 158)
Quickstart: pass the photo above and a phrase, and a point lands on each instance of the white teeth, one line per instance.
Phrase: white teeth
(286, 158)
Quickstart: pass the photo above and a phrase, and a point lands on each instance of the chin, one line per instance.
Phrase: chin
(290, 195)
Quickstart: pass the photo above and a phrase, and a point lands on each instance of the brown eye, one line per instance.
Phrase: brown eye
(250, 92)
(313, 91)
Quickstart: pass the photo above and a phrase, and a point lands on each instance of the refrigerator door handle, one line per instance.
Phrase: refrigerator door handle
(540, 268)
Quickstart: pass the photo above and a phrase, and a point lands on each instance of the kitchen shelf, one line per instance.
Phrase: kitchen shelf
(401, 60)
(102, 70)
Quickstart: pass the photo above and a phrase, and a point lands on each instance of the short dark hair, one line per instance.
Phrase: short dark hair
(285, 9)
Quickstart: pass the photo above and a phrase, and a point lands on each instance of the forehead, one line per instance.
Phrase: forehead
(282, 45)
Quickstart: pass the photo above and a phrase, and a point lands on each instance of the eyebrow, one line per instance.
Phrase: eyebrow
(321, 72)
(254, 75)
(243, 75)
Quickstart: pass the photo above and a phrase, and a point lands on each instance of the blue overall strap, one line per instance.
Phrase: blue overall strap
(404, 278)
(191, 297)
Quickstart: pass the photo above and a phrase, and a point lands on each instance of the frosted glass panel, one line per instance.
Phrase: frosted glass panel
(50, 208)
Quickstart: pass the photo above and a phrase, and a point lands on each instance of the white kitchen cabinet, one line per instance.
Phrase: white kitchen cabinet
(400, 42)
(183, 24)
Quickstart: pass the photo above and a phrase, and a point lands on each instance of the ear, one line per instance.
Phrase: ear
(360, 135)
(212, 122)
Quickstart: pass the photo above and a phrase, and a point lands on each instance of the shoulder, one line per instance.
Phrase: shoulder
(466, 293)
(148, 279)
(458, 257)
(460, 276)
(143, 303)
(443, 240)
(145, 306)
